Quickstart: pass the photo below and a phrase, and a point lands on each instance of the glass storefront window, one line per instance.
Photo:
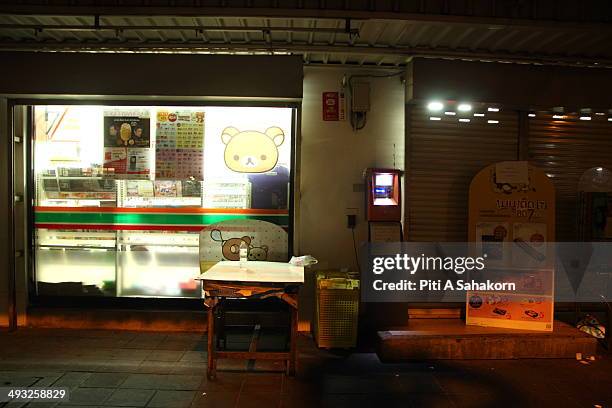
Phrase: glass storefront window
(121, 192)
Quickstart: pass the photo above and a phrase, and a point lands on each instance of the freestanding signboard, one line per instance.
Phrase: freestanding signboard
(511, 223)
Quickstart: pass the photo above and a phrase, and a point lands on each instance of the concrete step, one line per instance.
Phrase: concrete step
(443, 339)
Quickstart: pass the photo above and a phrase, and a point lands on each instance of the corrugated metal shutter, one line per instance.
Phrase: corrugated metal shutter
(564, 149)
(443, 156)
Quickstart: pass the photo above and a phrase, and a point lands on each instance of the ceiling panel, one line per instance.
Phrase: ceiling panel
(320, 40)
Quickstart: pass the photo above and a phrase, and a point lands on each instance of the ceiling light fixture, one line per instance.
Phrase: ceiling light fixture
(435, 106)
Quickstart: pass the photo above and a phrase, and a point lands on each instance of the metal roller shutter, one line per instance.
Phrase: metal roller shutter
(443, 156)
(564, 149)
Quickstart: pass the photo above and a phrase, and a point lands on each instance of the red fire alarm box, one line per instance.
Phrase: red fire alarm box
(384, 194)
(331, 106)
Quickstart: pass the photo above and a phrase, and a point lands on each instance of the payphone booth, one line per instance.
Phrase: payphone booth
(384, 206)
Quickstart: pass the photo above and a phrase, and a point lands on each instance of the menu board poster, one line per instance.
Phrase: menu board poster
(126, 131)
(179, 145)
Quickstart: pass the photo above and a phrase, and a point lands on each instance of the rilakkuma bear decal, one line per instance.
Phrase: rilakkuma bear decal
(258, 253)
(230, 248)
(251, 151)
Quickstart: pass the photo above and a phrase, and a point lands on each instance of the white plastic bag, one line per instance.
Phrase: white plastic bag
(305, 260)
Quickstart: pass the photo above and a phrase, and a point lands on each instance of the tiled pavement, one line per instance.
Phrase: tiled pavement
(137, 369)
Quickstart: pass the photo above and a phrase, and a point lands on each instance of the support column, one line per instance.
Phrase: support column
(21, 208)
(7, 277)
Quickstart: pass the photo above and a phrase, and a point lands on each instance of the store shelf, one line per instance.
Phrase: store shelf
(79, 247)
(77, 177)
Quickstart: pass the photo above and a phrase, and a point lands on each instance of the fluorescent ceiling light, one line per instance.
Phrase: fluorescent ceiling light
(492, 121)
(464, 107)
(585, 118)
(531, 115)
(450, 113)
(434, 118)
(479, 114)
(558, 116)
(492, 109)
(463, 120)
(435, 106)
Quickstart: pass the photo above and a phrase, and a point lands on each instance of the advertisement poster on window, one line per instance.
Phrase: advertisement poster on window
(127, 140)
(139, 188)
(179, 146)
(138, 163)
(166, 189)
(115, 161)
(511, 220)
(126, 131)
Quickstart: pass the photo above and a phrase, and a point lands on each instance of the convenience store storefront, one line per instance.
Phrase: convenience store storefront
(122, 193)
(124, 165)
(441, 157)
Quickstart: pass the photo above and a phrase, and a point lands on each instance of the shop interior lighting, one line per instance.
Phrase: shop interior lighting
(464, 120)
(599, 169)
(600, 113)
(492, 121)
(492, 109)
(434, 118)
(464, 107)
(558, 116)
(531, 115)
(450, 113)
(479, 114)
(435, 106)
(585, 118)
(609, 119)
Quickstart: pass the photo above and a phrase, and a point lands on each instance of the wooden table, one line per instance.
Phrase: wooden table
(255, 280)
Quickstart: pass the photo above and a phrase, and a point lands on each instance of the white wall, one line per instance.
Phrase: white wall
(333, 158)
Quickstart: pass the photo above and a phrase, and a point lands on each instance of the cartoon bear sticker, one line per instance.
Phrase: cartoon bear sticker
(251, 151)
(258, 253)
(230, 248)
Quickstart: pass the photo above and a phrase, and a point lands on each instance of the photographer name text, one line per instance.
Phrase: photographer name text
(442, 285)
